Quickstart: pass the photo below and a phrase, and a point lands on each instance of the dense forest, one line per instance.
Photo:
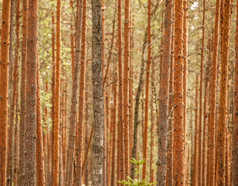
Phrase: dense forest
(119, 92)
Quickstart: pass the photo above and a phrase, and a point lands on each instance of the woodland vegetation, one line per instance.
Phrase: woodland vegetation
(112, 92)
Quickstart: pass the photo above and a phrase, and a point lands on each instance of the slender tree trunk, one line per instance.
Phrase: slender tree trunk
(98, 107)
(4, 88)
(72, 39)
(171, 107)
(31, 85)
(126, 88)
(147, 88)
(211, 165)
(178, 133)
(73, 109)
(39, 143)
(113, 121)
(52, 99)
(16, 144)
(235, 115)
(23, 94)
(164, 97)
(196, 143)
(120, 168)
(79, 140)
(222, 122)
(185, 74)
(57, 99)
(11, 138)
(153, 122)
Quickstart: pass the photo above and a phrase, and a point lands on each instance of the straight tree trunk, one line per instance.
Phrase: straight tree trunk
(126, 88)
(178, 133)
(73, 109)
(31, 91)
(98, 107)
(4, 88)
(120, 168)
(147, 88)
(185, 74)
(113, 121)
(23, 93)
(52, 99)
(11, 138)
(235, 115)
(211, 165)
(164, 97)
(171, 98)
(222, 121)
(196, 143)
(39, 142)
(57, 99)
(79, 140)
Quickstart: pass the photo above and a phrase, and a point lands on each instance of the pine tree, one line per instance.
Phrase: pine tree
(31, 91)
(4, 88)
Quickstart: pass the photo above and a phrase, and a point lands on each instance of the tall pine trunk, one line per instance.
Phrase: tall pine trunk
(222, 121)
(31, 85)
(4, 88)
(235, 119)
(56, 126)
(147, 88)
(23, 93)
(211, 129)
(73, 108)
(178, 128)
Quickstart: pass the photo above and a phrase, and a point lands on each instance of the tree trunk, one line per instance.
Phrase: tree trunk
(222, 122)
(11, 138)
(147, 88)
(164, 97)
(211, 165)
(31, 85)
(79, 140)
(39, 143)
(57, 99)
(235, 115)
(4, 88)
(73, 109)
(126, 88)
(98, 107)
(23, 94)
(178, 133)
(120, 168)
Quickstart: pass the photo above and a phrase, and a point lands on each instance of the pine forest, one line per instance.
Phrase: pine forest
(119, 92)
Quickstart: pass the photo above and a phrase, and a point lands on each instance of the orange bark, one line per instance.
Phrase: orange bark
(57, 99)
(235, 115)
(211, 165)
(147, 87)
(39, 143)
(222, 121)
(178, 133)
(79, 139)
(4, 88)
(120, 168)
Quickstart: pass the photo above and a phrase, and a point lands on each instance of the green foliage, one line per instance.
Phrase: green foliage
(136, 182)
